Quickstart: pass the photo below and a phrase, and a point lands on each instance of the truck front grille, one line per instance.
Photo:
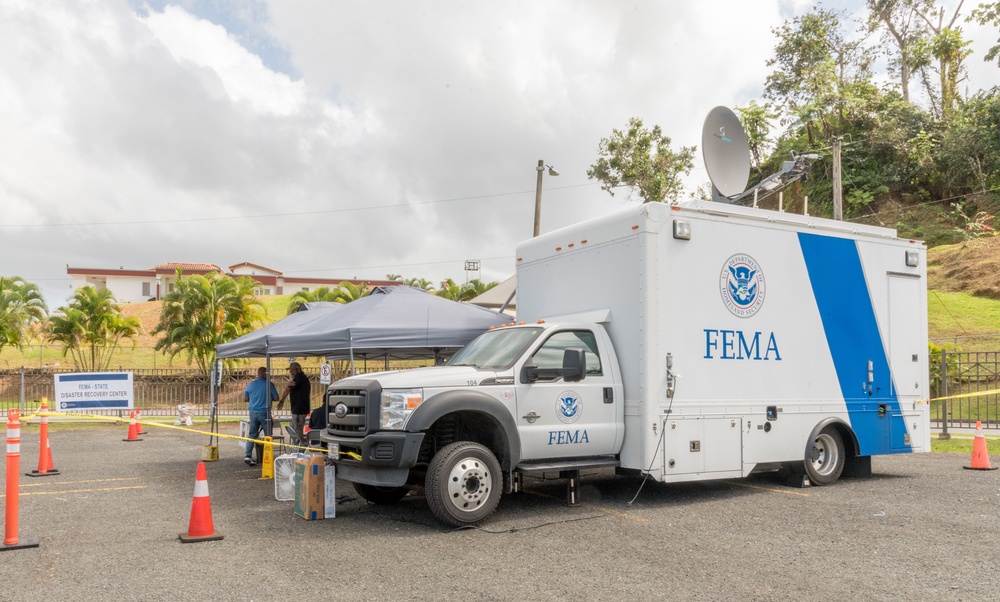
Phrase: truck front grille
(353, 421)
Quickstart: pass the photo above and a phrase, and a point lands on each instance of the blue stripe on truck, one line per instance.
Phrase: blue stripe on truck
(845, 308)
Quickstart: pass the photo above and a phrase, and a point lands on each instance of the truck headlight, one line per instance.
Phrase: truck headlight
(397, 405)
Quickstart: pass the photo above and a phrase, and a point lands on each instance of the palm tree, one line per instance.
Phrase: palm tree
(474, 288)
(421, 283)
(466, 292)
(348, 292)
(21, 306)
(91, 328)
(203, 312)
(323, 293)
(450, 290)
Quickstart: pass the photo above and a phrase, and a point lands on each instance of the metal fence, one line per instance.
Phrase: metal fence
(973, 374)
(158, 392)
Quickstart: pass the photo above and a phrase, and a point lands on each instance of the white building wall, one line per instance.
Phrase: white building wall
(128, 289)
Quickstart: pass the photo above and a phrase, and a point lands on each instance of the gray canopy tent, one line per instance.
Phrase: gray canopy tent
(395, 322)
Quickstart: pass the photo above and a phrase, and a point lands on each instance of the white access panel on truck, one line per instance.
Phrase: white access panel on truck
(773, 322)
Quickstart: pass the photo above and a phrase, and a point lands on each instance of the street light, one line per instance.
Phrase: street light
(538, 191)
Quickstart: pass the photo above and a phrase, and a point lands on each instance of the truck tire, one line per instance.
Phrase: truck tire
(381, 495)
(825, 457)
(463, 484)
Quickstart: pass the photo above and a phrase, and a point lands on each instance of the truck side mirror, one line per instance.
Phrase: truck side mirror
(529, 371)
(574, 365)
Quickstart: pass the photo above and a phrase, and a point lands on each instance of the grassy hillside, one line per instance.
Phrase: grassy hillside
(963, 300)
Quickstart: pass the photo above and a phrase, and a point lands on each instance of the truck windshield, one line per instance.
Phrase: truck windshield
(496, 349)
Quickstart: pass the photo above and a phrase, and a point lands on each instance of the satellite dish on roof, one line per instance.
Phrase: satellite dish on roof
(726, 151)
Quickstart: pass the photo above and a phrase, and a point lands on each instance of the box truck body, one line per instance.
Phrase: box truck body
(687, 342)
(815, 319)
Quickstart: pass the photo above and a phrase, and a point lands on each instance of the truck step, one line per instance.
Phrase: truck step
(581, 464)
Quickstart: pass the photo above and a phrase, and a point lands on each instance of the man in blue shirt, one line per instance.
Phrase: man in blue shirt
(256, 395)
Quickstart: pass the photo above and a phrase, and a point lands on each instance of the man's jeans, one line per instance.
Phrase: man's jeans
(257, 422)
(299, 425)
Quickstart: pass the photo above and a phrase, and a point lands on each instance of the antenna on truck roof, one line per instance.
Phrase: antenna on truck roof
(727, 159)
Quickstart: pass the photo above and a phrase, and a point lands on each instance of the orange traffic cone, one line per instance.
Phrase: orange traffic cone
(11, 539)
(138, 422)
(200, 526)
(45, 467)
(132, 430)
(980, 456)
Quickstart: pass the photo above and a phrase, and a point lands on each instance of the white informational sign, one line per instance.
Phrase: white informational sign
(325, 372)
(93, 391)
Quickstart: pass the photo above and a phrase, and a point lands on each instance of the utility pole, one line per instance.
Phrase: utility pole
(538, 196)
(538, 192)
(838, 193)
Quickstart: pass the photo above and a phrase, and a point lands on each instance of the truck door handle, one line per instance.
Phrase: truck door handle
(531, 416)
(609, 395)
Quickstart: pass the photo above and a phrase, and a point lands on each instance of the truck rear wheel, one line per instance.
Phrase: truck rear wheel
(464, 484)
(381, 495)
(825, 457)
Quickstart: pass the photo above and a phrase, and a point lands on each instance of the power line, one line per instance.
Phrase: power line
(285, 214)
(397, 265)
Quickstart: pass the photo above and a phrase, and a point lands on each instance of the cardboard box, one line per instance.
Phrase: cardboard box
(310, 473)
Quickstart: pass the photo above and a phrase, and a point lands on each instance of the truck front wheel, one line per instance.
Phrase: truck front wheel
(463, 484)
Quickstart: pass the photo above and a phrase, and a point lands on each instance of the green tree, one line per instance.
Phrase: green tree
(902, 27)
(821, 75)
(641, 159)
(989, 13)
(421, 283)
(21, 306)
(950, 49)
(465, 292)
(449, 290)
(347, 292)
(91, 328)
(203, 312)
(755, 120)
(322, 293)
(473, 288)
(968, 152)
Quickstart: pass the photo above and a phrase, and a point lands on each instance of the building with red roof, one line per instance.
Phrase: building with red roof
(133, 286)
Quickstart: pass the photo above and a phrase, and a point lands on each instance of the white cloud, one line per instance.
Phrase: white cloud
(403, 137)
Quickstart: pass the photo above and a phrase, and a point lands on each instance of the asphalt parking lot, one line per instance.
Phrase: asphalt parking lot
(922, 529)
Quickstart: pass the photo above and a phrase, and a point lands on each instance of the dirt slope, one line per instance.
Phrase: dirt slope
(972, 267)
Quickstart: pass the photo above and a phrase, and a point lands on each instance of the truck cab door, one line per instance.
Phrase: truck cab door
(566, 417)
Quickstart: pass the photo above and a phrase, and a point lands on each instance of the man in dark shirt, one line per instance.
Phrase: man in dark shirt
(298, 389)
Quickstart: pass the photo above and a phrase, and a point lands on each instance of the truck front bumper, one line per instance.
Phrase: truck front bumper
(383, 458)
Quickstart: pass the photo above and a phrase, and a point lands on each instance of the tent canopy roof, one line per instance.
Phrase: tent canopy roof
(397, 322)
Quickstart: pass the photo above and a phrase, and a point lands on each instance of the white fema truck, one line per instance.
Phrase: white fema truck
(692, 342)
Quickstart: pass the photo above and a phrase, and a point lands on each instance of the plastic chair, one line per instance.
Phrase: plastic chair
(293, 439)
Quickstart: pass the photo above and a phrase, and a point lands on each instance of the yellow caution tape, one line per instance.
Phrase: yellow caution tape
(117, 419)
(961, 395)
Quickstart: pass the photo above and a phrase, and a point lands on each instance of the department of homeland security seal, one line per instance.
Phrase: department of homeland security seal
(742, 285)
(568, 407)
